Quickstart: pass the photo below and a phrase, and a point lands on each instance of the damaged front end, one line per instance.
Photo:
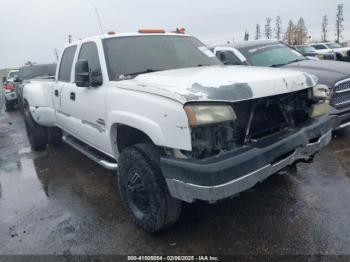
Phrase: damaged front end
(235, 146)
(218, 128)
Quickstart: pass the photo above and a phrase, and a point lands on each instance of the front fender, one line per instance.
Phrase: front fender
(162, 133)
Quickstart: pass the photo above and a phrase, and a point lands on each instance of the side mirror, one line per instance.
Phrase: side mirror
(84, 77)
(16, 79)
(223, 58)
(82, 73)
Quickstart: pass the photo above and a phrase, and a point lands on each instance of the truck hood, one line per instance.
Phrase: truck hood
(220, 83)
(328, 72)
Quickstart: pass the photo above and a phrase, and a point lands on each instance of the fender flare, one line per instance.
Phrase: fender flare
(145, 125)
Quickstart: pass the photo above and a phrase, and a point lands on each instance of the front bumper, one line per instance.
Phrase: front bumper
(339, 118)
(238, 170)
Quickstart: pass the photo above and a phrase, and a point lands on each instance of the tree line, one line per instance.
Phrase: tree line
(297, 34)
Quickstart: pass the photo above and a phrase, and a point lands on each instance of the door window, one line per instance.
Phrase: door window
(66, 64)
(89, 52)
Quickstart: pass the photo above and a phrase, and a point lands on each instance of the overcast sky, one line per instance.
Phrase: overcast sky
(32, 29)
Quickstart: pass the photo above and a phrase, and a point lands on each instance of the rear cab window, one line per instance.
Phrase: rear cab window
(66, 64)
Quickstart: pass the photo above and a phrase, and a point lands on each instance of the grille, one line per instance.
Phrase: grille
(341, 95)
(270, 115)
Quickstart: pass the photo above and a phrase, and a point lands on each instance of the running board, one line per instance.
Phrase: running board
(90, 152)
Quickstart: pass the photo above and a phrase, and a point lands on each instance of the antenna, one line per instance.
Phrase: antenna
(99, 20)
(57, 55)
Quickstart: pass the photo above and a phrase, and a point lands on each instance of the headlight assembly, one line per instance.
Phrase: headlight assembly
(321, 94)
(209, 114)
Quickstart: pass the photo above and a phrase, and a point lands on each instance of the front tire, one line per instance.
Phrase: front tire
(144, 191)
(37, 134)
(54, 136)
(10, 105)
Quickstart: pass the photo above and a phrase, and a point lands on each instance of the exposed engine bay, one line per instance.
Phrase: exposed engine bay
(256, 119)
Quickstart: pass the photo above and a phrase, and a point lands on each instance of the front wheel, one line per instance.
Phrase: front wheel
(37, 134)
(144, 191)
(54, 136)
(10, 105)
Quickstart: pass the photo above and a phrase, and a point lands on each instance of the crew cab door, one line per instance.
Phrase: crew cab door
(62, 88)
(90, 102)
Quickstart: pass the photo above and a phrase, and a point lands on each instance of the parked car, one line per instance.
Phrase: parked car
(10, 90)
(176, 123)
(342, 53)
(271, 53)
(310, 51)
(44, 72)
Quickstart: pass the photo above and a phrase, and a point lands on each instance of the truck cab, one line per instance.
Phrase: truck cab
(174, 122)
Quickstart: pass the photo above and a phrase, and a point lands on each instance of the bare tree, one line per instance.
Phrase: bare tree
(324, 28)
(278, 28)
(268, 29)
(339, 26)
(257, 32)
(301, 32)
(289, 36)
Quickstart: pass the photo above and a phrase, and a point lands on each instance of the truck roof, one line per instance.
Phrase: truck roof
(116, 35)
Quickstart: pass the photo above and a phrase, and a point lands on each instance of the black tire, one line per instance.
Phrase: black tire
(54, 136)
(339, 57)
(144, 191)
(10, 105)
(20, 105)
(37, 134)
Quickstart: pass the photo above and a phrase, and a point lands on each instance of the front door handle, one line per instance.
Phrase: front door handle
(56, 93)
(72, 96)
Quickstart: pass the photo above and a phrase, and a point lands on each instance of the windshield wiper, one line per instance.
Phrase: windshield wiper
(143, 72)
(131, 75)
(290, 62)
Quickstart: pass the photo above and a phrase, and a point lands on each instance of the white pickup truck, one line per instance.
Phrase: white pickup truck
(175, 123)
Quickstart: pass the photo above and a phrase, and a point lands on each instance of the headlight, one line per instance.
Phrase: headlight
(209, 114)
(319, 109)
(320, 93)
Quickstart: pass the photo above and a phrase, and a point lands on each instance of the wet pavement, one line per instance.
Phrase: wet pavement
(60, 202)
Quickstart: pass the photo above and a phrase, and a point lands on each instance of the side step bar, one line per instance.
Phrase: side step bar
(90, 152)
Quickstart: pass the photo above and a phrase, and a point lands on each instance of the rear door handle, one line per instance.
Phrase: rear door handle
(56, 93)
(72, 96)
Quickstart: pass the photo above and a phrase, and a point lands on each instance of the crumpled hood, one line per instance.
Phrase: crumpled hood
(328, 72)
(220, 83)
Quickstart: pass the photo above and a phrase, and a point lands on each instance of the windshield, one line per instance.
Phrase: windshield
(127, 56)
(13, 74)
(34, 71)
(271, 55)
(334, 45)
(306, 49)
